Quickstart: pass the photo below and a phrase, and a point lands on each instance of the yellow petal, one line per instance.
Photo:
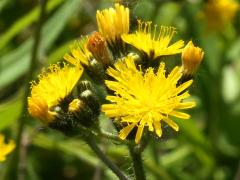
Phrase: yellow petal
(186, 105)
(126, 130)
(184, 86)
(139, 134)
(171, 124)
(158, 129)
(180, 114)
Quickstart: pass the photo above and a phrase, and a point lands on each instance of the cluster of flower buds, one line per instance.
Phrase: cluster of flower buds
(80, 107)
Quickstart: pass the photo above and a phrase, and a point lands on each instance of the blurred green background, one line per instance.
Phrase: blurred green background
(206, 147)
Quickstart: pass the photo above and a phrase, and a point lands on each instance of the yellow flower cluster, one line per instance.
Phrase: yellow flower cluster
(141, 96)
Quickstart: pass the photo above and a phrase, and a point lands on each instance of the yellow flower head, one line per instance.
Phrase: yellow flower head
(220, 12)
(152, 43)
(112, 23)
(145, 99)
(53, 86)
(191, 58)
(5, 148)
(80, 53)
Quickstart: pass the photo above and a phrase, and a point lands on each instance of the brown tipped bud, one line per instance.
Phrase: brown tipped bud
(191, 58)
(97, 45)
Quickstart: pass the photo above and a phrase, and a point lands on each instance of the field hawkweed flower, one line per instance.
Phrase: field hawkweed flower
(113, 22)
(53, 86)
(220, 12)
(191, 58)
(5, 148)
(80, 53)
(153, 43)
(145, 99)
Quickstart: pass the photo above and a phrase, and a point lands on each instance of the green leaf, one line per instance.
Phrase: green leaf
(59, 52)
(167, 14)
(177, 155)
(3, 3)
(145, 10)
(230, 89)
(213, 58)
(9, 112)
(74, 147)
(16, 63)
(194, 135)
(24, 22)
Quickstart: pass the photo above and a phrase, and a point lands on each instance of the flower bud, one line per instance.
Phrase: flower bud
(84, 85)
(81, 113)
(75, 105)
(91, 101)
(191, 58)
(96, 71)
(64, 122)
(98, 47)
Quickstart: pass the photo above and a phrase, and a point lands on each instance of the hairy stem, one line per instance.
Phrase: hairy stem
(103, 134)
(137, 163)
(92, 144)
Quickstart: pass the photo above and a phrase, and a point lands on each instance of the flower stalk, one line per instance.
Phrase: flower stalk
(137, 163)
(92, 144)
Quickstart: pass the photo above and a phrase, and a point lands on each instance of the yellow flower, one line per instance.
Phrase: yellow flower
(152, 43)
(145, 99)
(80, 53)
(5, 148)
(220, 12)
(53, 86)
(191, 58)
(112, 23)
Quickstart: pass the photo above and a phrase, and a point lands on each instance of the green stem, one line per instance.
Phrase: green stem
(113, 137)
(92, 144)
(103, 134)
(137, 163)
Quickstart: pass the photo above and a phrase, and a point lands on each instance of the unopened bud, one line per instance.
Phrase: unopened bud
(191, 58)
(75, 105)
(63, 122)
(97, 45)
(91, 101)
(85, 85)
(96, 71)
